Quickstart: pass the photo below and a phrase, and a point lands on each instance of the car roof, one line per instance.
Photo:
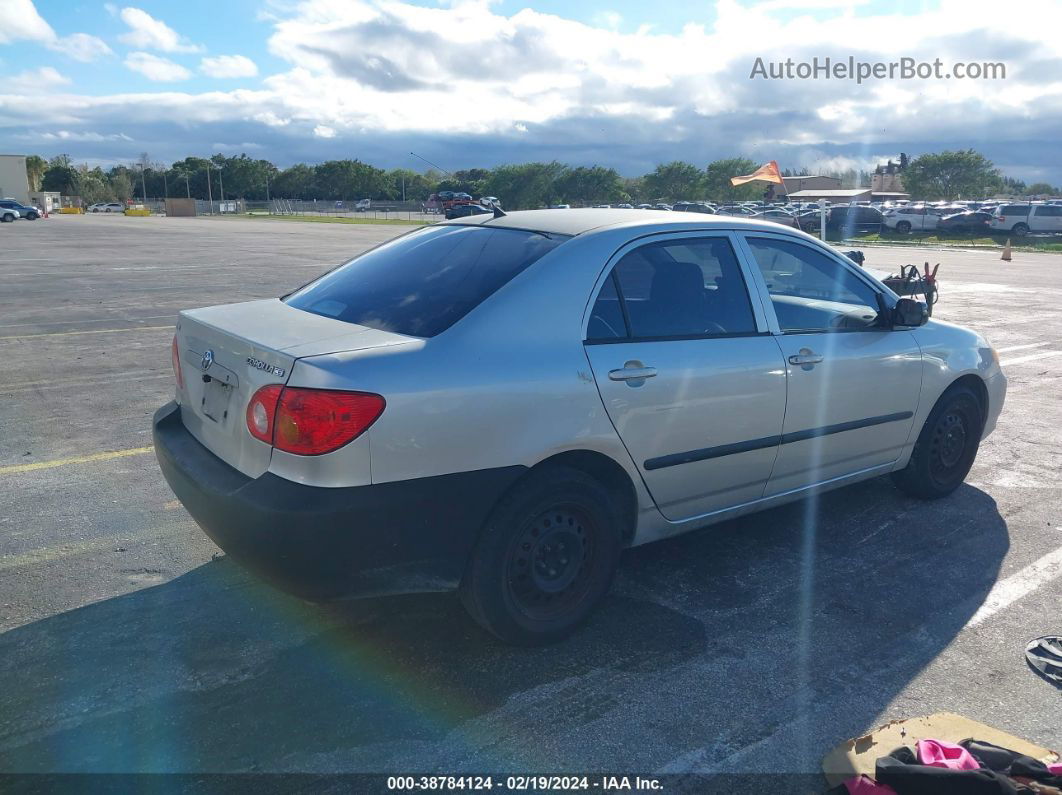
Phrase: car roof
(580, 221)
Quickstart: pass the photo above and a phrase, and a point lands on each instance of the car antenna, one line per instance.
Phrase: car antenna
(498, 211)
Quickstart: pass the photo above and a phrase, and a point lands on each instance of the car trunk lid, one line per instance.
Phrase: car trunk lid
(229, 352)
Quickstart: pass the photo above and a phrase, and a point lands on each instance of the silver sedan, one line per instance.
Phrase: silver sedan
(501, 404)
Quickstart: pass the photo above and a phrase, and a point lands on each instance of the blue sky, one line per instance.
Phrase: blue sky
(625, 83)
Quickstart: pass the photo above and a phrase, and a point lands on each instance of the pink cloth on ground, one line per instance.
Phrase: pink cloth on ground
(938, 753)
(865, 785)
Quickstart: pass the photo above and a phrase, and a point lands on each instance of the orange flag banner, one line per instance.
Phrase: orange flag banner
(768, 172)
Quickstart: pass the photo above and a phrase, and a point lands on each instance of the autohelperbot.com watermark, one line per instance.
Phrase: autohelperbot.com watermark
(849, 68)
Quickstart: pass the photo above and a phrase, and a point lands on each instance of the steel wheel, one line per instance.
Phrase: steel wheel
(549, 562)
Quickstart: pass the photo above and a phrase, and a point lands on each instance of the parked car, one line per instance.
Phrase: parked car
(465, 210)
(490, 201)
(508, 431)
(8, 214)
(970, 221)
(624, 206)
(107, 207)
(1021, 219)
(363, 205)
(844, 220)
(29, 212)
(661, 206)
(917, 218)
(776, 216)
(560, 207)
(692, 207)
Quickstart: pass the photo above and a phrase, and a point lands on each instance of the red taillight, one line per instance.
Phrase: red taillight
(175, 358)
(261, 412)
(310, 421)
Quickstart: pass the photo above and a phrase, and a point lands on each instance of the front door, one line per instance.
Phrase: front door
(688, 372)
(853, 384)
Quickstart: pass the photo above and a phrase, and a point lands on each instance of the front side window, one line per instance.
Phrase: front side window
(422, 283)
(691, 287)
(811, 291)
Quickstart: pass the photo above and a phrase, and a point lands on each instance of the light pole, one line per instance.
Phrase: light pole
(210, 195)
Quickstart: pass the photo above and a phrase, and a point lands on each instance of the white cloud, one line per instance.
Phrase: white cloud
(224, 66)
(539, 85)
(81, 47)
(45, 77)
(154, 67)
(19, 20)
(148, 33)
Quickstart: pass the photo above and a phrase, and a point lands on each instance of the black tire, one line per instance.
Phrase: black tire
(546, 557)
(946, 446)
(1021, 230)
(32, 216)
(903, 227)
(7, 218)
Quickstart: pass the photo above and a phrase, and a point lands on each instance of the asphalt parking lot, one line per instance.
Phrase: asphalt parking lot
(129, 643)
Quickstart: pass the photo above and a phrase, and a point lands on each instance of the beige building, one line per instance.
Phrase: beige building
(14, 184)
(886, 183)
(795, 184)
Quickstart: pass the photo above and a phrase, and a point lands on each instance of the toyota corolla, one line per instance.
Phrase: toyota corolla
(501, 404)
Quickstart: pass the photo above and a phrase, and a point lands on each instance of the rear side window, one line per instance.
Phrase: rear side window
(691, 287)
(424, 282)
(1014, 209)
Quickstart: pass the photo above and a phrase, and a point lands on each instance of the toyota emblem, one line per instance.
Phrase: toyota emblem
(208, 359)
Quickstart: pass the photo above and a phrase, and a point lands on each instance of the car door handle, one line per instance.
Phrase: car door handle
(805, 357)
(631, 373)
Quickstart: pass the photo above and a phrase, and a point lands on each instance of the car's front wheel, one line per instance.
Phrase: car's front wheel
(545, 559)
(946, 446)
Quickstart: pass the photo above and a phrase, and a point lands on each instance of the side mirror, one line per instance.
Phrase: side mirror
(909, 312)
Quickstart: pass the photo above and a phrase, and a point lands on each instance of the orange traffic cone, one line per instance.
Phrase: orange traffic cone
(1006, 252)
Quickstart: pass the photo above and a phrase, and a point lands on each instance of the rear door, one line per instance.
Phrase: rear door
(1047, 218)
(853, 386)
(688, 373)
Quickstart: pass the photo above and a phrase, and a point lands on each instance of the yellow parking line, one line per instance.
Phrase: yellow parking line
(93, 331)
(80, 459)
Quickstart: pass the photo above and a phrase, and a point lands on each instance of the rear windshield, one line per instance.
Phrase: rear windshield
(424, 282)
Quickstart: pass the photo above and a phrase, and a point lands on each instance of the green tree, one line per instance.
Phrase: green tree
(950, 175)
(1041, 189)
(406, 182)
(60, 176)
(349, 179)
(717, 176)
(296, 182)
(526, 186)
(120, 183)
(593, 185)
(674, 181)
(35, 168)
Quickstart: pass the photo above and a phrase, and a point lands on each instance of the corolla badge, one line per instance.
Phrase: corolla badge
(207, 360)
(265, 367)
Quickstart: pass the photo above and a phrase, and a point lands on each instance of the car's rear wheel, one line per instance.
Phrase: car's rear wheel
(903, 227)
(946, 446)
(545, 559)
(1021, 230)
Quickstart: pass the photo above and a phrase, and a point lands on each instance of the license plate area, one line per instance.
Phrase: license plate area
(215, 401)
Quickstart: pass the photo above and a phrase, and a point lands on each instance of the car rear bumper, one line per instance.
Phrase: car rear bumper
(324, 543)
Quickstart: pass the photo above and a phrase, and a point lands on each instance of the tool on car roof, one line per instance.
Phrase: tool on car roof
(910, 281)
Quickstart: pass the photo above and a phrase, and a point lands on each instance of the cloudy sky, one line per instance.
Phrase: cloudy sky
(624, 83)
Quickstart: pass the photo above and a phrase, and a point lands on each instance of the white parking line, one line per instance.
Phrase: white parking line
(1029, 358)
(1008, 591)
(1020, 347)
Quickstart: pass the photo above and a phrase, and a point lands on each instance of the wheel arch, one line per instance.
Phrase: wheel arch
(609, 473)
(975, 384)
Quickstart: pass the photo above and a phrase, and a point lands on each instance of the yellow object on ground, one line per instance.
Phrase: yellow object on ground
(138, 211)
(71, 211)
(858, 755)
